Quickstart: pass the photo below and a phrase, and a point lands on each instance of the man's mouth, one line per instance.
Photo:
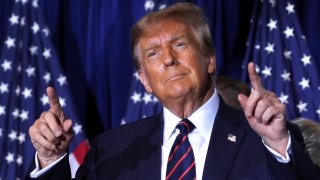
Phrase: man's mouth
(176, 76)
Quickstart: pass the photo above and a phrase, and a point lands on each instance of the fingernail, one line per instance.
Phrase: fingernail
(58, 133)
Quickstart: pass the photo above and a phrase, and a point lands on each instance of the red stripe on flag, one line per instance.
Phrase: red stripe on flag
(81, 151)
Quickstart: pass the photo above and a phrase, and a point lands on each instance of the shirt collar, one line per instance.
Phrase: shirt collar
(203, 118)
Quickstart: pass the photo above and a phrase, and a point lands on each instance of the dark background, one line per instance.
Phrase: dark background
(92, 40)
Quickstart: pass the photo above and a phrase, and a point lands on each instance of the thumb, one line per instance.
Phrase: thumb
(243, 101)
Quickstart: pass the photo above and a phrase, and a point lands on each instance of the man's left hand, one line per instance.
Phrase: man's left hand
(265, 113)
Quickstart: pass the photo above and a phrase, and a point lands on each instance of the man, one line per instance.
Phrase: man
(175, 59)
(311, 134)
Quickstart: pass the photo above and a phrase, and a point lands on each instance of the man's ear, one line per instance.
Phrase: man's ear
(144, 80)
(212, 65)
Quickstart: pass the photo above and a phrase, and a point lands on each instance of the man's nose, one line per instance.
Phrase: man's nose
(170, 58)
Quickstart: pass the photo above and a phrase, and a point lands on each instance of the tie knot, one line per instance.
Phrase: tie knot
(185, 126)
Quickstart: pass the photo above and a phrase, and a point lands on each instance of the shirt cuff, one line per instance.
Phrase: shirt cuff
(37, 172)
(277, 155)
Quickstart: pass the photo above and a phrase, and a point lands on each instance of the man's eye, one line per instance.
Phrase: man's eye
(180, 45)
(152, 54)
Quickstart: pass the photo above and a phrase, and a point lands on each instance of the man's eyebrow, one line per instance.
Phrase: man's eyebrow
(178, 37)
(150, 46)
(156, 44)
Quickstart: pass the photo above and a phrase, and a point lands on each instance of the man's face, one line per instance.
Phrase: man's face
(171, 63)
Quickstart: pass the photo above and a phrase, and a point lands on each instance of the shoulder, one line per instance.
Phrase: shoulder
(130, 132)
(230, 115)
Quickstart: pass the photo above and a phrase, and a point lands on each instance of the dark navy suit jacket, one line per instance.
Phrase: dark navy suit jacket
(133, 151)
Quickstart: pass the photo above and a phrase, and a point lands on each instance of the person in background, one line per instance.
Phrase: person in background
(196, 136)
(311, 135)
(229, 89)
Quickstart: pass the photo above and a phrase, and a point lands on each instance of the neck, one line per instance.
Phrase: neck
(187, 105)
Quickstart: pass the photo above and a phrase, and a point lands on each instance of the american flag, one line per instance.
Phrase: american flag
(280, 51)
(28, 65)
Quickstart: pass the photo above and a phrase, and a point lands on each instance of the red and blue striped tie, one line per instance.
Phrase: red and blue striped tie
(181, 164)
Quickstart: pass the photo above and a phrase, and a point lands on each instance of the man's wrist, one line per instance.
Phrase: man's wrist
(37, 172)
(281, 158)
(46, 161)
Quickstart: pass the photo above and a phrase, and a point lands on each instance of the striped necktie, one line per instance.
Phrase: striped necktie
(181, 163)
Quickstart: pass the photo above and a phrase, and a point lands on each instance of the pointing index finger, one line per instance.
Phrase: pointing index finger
(254, 77)
(55, 106)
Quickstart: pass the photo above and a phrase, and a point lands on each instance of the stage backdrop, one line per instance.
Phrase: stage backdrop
(92, 42)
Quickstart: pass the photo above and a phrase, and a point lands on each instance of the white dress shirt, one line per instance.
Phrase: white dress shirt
(199, 138)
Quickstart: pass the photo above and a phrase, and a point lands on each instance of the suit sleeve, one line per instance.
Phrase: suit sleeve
(303, 166)
(60, 171)
(300, 167)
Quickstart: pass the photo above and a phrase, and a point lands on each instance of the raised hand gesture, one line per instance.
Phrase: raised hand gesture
(265, 113)
(51, 134)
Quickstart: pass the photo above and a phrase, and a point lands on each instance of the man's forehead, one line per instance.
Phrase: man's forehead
(164, 32)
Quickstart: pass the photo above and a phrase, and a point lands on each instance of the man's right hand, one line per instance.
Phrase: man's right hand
(51, 134)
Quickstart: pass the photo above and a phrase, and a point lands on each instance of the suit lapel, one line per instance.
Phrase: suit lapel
(150, 167)
(226, 138)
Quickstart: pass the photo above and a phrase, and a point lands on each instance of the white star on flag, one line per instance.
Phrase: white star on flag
(33, 50)
(27, 93)
(318, 111)
(22, 138)
(266, 71)
(162, 6)
(24, 115)
(47, 77)
(302, 106)
(272, 2)
(23, 21)
(46, 53)
(10, 157)
(283, 98)
(13, 135)
(136, 97)
(24, 1)
(46, 31)
(19, 160)
(31, 71)
(290, 8)
(77, 128)
(62, 80)
(44, 99)
(305, 59)
(286, 75)
(35, 27)
(304, 83)
(147, 98)
(6, 65)
(2, 110)
(269, 48)
(287, 54)
(149, 5)
(62, 101)
(17, 91)
(136, 75)
(14, 19)
(10, 42)
(15, 113)
(4, 87)
(272, 24)
(288, 32)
